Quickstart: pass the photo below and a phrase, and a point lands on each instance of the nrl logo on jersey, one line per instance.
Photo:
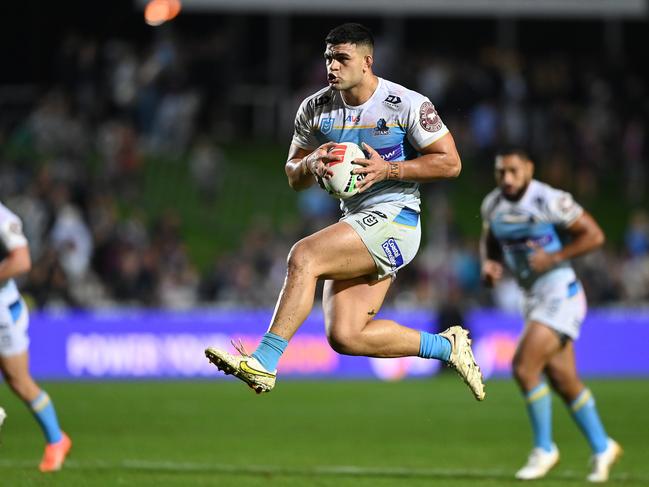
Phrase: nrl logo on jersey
(326, 124)
(392, 101)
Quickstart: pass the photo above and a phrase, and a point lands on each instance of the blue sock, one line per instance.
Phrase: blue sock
(270, 350)
(44, 412)
(539, 408)
(436, 346)
(585, 414)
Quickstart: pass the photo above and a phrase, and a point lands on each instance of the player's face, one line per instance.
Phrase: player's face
(513, 174)
(346, 65)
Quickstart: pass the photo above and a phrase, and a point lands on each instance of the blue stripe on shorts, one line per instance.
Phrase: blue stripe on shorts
(408, 217)
(15, 309)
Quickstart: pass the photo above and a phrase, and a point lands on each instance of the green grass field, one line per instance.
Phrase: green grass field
(413, 433)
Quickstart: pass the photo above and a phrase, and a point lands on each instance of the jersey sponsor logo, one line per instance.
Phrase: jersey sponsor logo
(16, 228)
(326, 124)
(428, 117)
(322, 100)
(352, 119)
(525, 243)
(393, 253)
(392, 101)
(381, 127)
(391, 153)
(516, 218)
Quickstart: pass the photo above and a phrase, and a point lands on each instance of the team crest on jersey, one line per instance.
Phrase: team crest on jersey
(428, 117)
(326, 124)
(381, 127)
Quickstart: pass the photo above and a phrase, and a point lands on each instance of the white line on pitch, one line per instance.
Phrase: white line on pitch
(324, 470)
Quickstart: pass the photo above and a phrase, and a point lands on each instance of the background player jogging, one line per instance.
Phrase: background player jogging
(14, 342)
(407, 143)
(521, 221)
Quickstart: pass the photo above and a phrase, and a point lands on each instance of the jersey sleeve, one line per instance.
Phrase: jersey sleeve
(303, 132)
(11, 233)
(487, 206)
(425, 126)
(562, 209)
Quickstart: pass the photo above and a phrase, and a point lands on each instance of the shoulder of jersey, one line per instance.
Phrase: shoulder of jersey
(541, 191)
(398, 97)
(490, 201)
(6, 213)
(320, 98)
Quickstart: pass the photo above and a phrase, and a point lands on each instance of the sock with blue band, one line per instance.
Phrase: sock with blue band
(270, 350)
(584, 412)
(539, 409)
(45, 414)
(436, 346)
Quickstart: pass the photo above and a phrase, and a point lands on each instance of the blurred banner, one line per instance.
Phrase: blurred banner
(120, 344)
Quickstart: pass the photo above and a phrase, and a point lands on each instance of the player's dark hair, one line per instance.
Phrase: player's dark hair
(351, 33)
(514, 150)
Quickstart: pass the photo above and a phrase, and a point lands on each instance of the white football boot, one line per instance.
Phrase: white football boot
(243, 367)
(3, 415)
(539, 463)
(602, 462)
(463, 361)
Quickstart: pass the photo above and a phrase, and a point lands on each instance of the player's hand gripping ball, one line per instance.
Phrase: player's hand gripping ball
(342, 183)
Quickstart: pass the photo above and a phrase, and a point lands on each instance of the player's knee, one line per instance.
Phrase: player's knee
(524, 373)
(342, 341)
(299, 257)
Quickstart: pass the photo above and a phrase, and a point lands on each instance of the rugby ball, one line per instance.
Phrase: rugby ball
(343, 184)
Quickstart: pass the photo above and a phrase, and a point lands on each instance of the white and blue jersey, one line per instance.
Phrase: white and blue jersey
(530, 222)
(13, 312)
(395, 121)
(555, 297)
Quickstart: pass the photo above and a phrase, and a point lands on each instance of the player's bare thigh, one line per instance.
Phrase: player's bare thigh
(335, 252)
(349, 305)
(536, 347)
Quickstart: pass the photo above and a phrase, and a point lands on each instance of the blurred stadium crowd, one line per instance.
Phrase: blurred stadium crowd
(73, 163)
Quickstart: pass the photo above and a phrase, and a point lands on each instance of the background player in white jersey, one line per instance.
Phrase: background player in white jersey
(407, 144)
(14, 342)
(522, 220)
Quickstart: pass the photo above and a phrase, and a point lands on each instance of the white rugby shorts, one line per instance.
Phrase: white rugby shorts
(14, 321)
(557, 301)
(391, 232)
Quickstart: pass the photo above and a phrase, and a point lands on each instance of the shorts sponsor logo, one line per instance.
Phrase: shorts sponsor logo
(393, 253)
(428, 117)
(326, 124)
(370, 220)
